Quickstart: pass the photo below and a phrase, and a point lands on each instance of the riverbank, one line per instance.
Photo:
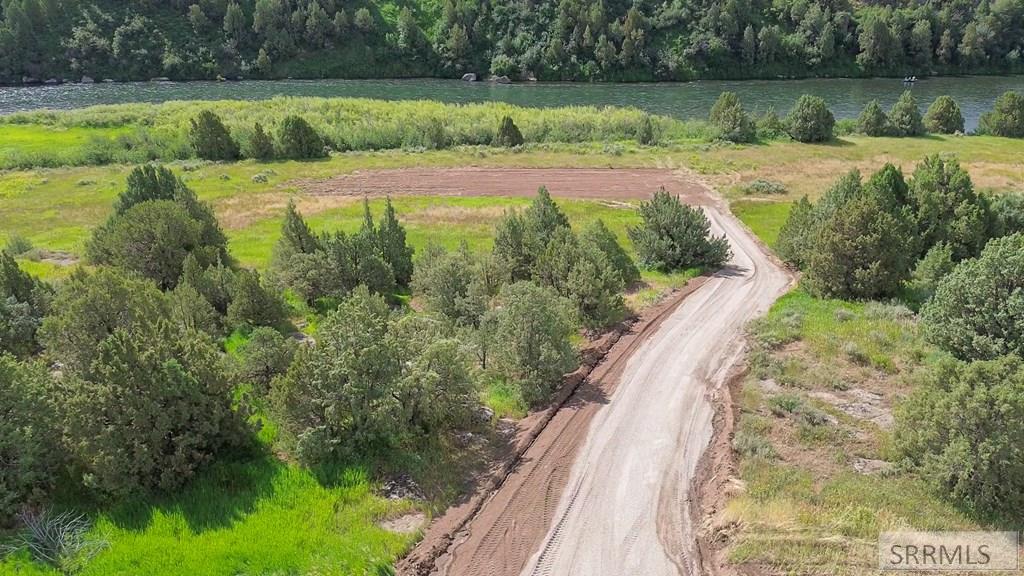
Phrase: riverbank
(688, 100)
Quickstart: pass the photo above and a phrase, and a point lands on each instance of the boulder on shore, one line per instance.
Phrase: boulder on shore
(469, 77)
(501, 79)
(88, 80)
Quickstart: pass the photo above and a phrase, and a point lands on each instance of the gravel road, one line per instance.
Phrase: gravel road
(625, 507)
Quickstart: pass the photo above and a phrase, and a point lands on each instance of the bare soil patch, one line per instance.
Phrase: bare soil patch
(599, 184)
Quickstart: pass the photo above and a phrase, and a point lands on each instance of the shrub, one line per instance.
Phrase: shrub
(370, 383)
(600, 236)
(978, 309)
(163, 394)
(770, 126)
(18, 245)
(860, 252)
(796, 235)
(948, 210)
(146, 183)
(28, 438)
(646, 134)
(252, 304)
(91, 307)
(582, 274)
(392, 244)
(265, 355)
(675, 236)
(447, 282)
(961, 428)
(764, 188)
(527, 338)
(730, 120)
(299, 141)
(944, 116)
(211, 139)
(61, 540)
(152, 238)
(1008, 212)
(873, 121)
(810, 120)
(905, 117)
(1006, 118)
(749, 444)
(929, 271)
(520, 238)
(191, 310)
(261, 146)
(143, 402)
(24, 301)
(508, 135)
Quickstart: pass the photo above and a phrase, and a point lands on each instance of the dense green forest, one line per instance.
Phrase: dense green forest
(546, 39)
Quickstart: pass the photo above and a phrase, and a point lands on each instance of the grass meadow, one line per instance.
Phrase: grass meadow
(803, 509)
(142, 132)
(813, 441)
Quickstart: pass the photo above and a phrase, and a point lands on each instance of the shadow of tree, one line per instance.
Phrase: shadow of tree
(220, 495)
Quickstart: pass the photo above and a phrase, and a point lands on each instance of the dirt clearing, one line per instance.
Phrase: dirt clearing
(597, 184)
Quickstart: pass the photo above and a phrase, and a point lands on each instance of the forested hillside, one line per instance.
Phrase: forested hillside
(546, 39)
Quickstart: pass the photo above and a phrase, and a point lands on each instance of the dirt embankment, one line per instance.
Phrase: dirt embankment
(502, 523)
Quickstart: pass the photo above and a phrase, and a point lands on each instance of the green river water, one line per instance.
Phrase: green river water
(846, 97)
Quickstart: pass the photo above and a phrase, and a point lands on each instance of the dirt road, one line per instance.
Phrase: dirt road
(611, 497)
(625, 508)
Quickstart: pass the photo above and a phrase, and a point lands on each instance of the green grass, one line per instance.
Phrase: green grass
(803, 509)
(764, 219)
(809, 169)
(505, 399)
(160, 131)
(57, 208)
(257, 516)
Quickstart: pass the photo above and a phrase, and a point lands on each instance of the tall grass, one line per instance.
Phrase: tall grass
(159, 131)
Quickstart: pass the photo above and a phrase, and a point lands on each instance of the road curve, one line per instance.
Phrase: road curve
(603, 491)
(625, 507)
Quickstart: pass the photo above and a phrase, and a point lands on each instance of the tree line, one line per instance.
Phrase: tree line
(957, 255)
(119, 381)
(810, 120)
(564, 40)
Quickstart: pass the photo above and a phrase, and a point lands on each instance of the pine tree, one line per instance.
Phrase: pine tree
(396, 252)
(261, 147)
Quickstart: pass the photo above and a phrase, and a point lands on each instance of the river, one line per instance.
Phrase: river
(846, 97)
